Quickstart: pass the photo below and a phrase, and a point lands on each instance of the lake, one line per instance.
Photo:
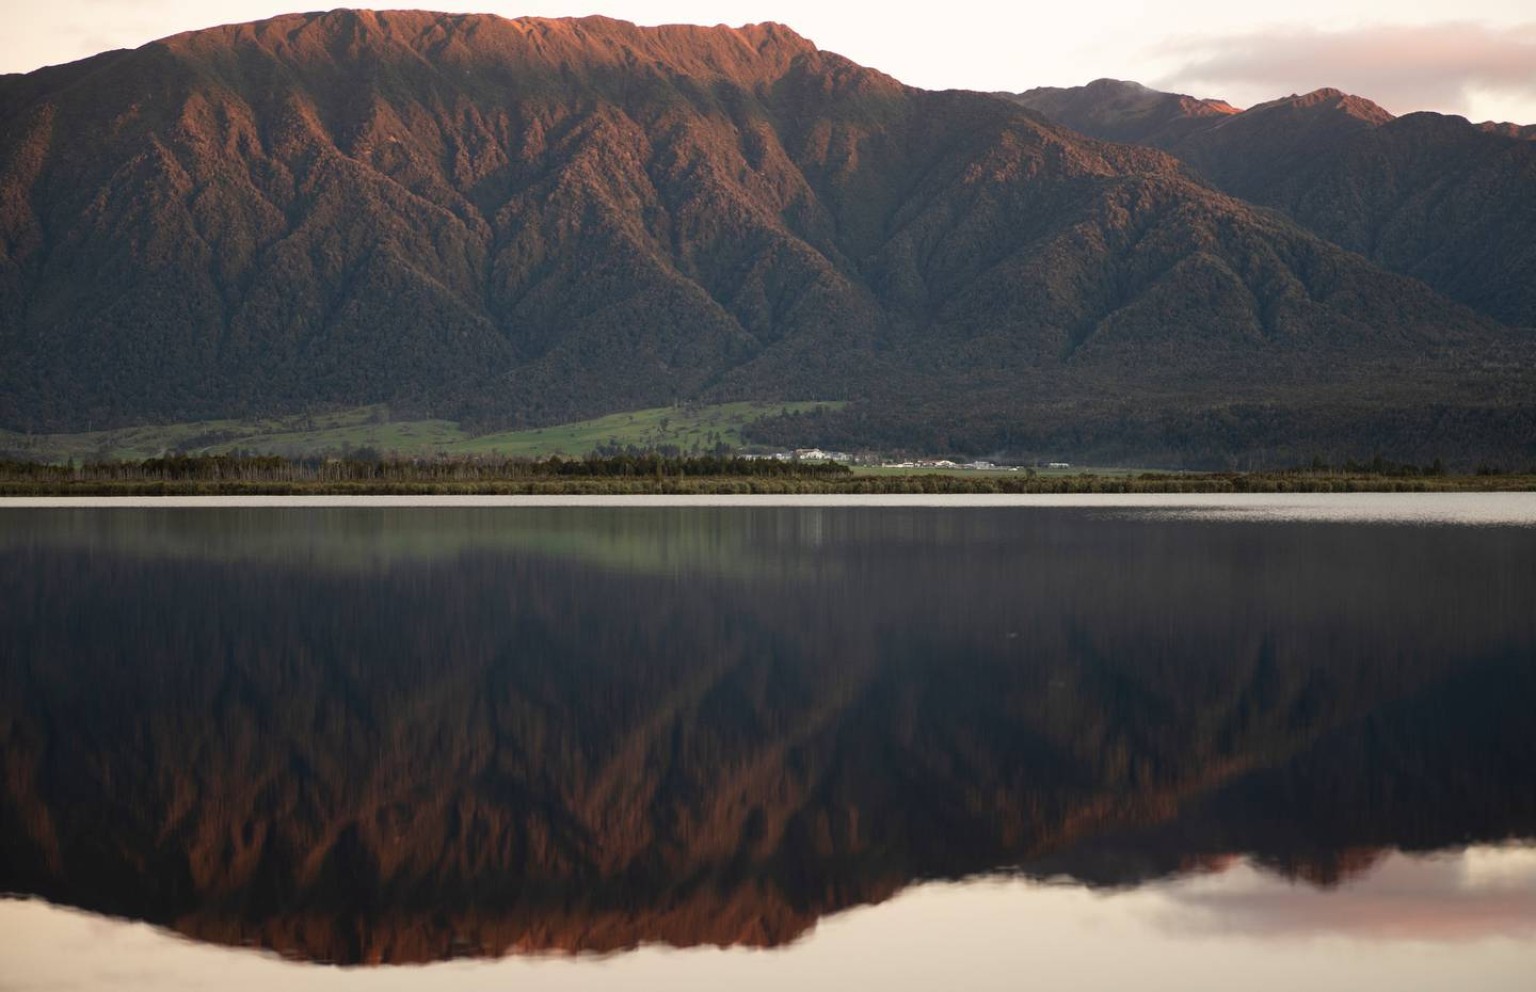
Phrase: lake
(1087, 742)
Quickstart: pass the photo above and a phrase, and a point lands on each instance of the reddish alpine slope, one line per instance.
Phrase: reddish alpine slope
(532, 220)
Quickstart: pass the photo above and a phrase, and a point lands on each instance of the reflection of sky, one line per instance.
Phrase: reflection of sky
(1413, 508)
(1468, 896)
(1462, 920)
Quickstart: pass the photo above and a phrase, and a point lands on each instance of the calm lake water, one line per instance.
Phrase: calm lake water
(1181, 743)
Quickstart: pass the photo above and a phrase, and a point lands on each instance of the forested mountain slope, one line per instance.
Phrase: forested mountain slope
(1427, 195)
(532, 221)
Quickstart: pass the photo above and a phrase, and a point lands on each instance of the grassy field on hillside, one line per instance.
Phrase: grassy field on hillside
(687, 428)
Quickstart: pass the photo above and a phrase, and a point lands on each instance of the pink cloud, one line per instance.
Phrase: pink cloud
(1404, 68)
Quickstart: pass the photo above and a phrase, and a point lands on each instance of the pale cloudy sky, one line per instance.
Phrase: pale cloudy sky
(1471, 57)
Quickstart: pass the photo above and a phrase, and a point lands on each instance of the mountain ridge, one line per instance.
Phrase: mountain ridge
(526, 222)
(1424, 194)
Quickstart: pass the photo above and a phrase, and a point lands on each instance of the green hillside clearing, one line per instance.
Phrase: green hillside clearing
(689, 429)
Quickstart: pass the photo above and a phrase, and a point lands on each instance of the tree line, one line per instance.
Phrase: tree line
(251, 468)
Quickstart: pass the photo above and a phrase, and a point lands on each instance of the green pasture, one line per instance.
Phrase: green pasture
(689, 429)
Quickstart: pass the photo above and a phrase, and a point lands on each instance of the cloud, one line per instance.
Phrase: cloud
(1446, 67)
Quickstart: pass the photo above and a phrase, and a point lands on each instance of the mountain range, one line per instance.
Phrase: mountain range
(510, 222)
(1427, 195)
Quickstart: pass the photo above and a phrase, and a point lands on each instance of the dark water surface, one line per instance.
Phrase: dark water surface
(1093, 746)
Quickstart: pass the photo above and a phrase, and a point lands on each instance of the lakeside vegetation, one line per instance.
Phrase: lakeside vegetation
(230, 475)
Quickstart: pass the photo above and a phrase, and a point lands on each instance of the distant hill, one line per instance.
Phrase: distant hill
(511, 223)
(1118, 110)
(1427, 195)
(1525, 132)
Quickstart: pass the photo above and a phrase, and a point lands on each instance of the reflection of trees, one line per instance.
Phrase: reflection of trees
(409, 760)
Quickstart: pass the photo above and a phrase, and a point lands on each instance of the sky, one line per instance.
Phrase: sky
(1476, 58)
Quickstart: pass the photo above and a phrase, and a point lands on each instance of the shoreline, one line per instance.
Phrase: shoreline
(727, 486)
(1466, 508)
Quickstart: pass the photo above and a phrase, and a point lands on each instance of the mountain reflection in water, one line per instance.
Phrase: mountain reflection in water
(376, 735)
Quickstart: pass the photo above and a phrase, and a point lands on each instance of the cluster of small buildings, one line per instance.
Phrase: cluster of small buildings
(808, 455)
(978, 465)
(820, 455)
